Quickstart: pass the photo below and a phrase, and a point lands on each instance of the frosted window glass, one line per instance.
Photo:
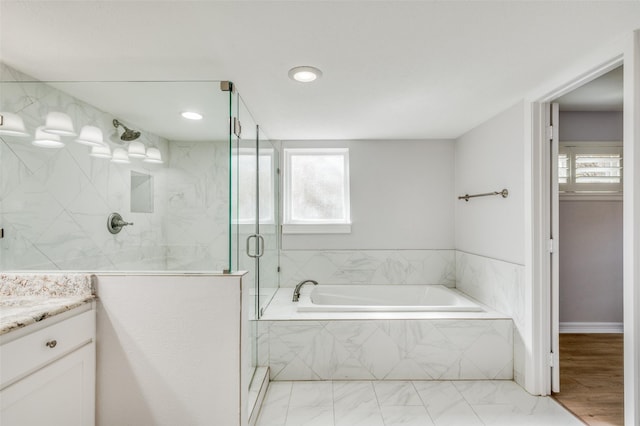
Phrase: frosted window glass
(317, 187)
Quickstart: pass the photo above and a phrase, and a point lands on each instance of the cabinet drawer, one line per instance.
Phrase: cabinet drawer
(26, 354)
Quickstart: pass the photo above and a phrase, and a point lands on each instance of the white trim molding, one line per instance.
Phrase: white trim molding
(537, 203)
(591, 327)
(289, 216)
(631, 236)
(320, 228)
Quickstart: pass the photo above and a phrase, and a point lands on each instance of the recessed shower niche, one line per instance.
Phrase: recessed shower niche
(141, 192)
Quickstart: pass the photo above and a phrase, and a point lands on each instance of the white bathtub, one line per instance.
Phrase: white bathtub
(385, 298)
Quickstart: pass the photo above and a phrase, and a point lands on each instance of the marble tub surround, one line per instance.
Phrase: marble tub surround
(368, 267)
(402, 349)
(499, 285)
(29, 298)
(496, 283)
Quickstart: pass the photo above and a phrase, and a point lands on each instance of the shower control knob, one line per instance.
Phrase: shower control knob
(115, 223)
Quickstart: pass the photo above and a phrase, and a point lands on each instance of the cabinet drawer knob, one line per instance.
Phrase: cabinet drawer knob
(51, 344)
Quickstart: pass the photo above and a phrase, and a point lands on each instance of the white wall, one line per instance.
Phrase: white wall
(168, 350)
(402, 219)
(590, 126)
(489, 158)
(590, 240)
(490, 231)
(401, 196)
(590, 254)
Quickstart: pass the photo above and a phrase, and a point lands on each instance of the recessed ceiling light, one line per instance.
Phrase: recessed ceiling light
(305, 74)
(191, 115)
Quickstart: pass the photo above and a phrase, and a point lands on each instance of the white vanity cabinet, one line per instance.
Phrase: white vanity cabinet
(47, 371)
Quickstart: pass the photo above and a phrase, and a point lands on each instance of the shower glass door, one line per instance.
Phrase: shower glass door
(254, 227)
(267, 186)
(246, 244)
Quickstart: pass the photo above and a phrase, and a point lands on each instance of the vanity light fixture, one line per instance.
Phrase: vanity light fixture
(100, 151)
(59, 123)
(120, 156)
(91, 136)
(191, 115)
(12, 125)
(46, 140)
(305, 74)
(153, 156)
(137, 149)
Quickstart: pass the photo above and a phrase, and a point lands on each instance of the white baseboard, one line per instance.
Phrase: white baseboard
(591, 327)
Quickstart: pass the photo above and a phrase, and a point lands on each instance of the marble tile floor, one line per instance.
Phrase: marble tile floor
(408, 403)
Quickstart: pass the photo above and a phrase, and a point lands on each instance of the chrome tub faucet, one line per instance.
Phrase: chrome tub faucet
(296, 291)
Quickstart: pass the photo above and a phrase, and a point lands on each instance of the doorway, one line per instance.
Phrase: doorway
(586, 266)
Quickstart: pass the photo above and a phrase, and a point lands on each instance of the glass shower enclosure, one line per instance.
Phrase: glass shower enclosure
(254, 218)
(56, 196)
(190, 195)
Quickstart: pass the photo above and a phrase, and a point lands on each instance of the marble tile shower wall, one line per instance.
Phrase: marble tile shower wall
(368, 267)
(54, 203)
(197, 206)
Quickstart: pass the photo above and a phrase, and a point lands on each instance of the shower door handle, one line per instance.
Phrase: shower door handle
(249, 245)
(260, 251)
(261, 246)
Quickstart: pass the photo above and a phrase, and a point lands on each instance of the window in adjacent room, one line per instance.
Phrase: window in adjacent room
(316, 190)
(590, 168)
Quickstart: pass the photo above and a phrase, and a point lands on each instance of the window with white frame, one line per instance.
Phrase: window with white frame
(590, 168)
(316, 190)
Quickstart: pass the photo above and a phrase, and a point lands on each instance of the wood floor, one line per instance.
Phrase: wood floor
(591, 377)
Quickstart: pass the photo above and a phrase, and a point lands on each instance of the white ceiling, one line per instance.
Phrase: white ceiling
(392, 69)
(155, 107)
(605, 93)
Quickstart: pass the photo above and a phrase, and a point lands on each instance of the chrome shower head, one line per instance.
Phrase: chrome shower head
(128, 134)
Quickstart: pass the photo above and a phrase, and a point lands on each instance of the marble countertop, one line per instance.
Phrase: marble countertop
(20, 311)
(29, 298)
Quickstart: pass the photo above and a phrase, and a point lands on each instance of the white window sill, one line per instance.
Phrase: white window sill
(572, 196)
(325, 228)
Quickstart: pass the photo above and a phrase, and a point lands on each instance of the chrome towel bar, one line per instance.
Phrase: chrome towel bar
(504, 193)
